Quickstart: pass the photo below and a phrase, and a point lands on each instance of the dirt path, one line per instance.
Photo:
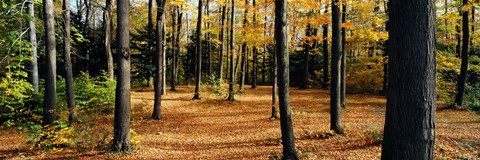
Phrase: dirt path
(213, 128)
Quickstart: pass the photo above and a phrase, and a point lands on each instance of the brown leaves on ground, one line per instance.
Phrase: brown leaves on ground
(213, 128)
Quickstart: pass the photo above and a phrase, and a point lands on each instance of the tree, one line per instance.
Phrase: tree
(304, 81)
(274, 88)
(255, 51)
(50, 96)
(410, 115)
(121, 127)
(68, 63)
(33, 43)
(244, 52)
(325, 53)
(159, 61)
(232, 55)
(281, 49)
(198, 68)
(107, 21)
(462, 80)
(335, 72)
(221, 37)
(174, 50)
(343, 65)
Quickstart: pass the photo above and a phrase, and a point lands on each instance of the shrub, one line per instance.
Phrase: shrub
(472, 98)
(365, 75)
(217, 85)
(376, 136)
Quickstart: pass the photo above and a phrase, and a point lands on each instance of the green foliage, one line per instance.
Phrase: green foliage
(376, 136)
(472, 98)
(365, 75)
(60, 135)
(216, 85)
(96, 94)
(448, 69)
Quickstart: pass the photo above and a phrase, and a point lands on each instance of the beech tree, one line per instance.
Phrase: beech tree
(198, 68)
(159, 60)
(50, 97)
(33, 45)
(107, 21)
(281, 49)
(462, 80)
(68, 63)
(121, 127)
(232, 55)
(411, 99)
(335, 72)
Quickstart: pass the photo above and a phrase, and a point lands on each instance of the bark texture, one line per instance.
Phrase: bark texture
(335, 72)
(121, 127)
(281, 48)
(159, 61)
(50, 97)
(198, 68)
(33, 43)
(410, 115)
(68, 63)
(462, 80)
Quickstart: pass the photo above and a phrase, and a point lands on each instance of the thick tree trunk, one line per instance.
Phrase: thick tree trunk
(159, 60)
(121, 127)
(50, 97)
(462, 80)
(281, 48)
(107, 20)
(325, 56)
(343, 65)
(335, 72)
(410, 115)
(222, 36)
(198, 68)
(33, 43)
(232, 55)
(304, 81)
(68, 63)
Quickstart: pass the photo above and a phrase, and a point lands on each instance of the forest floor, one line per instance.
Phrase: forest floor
(213, 128)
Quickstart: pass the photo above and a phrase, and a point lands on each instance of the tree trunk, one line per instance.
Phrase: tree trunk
(121, 135)
(304, 81)
(68, 63)
(50, 97)
(343, 65)
(244, 53)
(33, 43)
(281, 48)
(209, 44)
(274, 88)
(325, 55)
(149, 21)
(174, 50)
(164, 55)
(177, 47)
(222, 36)
(159, 60)
(410, 115)
(108, 38)
(459, 38)
(198, 68)
(335, 72)
(462, 80)
(232, 55)
(255, 50)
